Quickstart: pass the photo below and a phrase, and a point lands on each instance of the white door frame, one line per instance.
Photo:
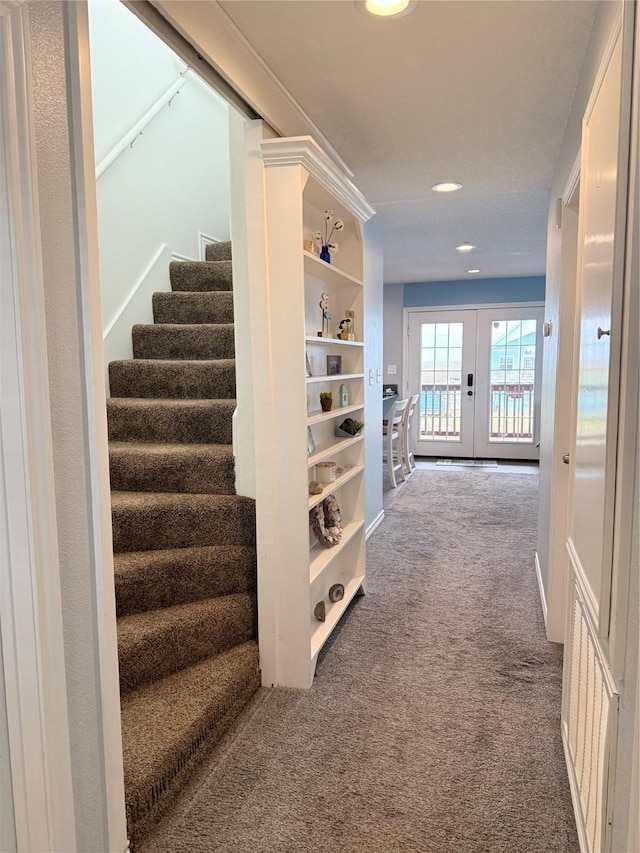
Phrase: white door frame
(557, 497)
(42, 750)
(30, 605)
(481, 306)
(447, 447)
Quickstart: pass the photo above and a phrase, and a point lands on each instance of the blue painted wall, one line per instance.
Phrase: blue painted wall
(432, 294)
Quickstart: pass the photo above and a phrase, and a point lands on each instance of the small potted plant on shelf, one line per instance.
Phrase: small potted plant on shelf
(326, 400)
(349, 428)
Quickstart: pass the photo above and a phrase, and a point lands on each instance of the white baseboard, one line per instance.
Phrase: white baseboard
(137, 307)
(543, 597)
(203, 242)
(374, 524)
(160, 251)
(176, 256)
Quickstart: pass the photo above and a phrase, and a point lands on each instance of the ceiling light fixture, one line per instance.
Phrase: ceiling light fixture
(386, 8)
(446, 187)
(473, 272)
(465, 247)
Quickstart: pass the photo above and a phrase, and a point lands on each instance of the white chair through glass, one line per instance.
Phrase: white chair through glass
(407, 454)
(392, 432)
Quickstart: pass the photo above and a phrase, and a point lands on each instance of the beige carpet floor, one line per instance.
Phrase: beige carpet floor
(433, 722)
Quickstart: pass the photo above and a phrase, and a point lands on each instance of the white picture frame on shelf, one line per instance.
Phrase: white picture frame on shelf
(311, 444)
(307, 365)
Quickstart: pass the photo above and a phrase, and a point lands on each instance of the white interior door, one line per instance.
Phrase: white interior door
(507, 400)
(594, 439)
(477, 372)
(442, 347)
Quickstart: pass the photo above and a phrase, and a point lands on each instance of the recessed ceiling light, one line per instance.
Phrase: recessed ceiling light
(446, 187)
(473, 272)
(386, 8)
(465, 247)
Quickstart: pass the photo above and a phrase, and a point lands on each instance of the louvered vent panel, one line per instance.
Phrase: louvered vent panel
(590, 712)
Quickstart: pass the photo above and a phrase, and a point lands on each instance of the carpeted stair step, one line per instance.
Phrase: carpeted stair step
(192, 341)
(201, 275)
(149, 580)
(157, 643)
(173, 421)
(173, 723)
(158, 378)
(149, 521)
(180, 307)
(146, 467)
(218, 251)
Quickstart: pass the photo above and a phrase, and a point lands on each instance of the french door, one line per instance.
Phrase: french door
(478, 376)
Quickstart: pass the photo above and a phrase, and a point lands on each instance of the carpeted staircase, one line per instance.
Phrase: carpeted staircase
(183, 541)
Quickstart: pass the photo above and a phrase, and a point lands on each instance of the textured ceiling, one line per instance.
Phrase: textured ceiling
(475, 92)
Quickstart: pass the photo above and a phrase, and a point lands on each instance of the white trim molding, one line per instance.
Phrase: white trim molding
(91, 374)
(374, 525)
(30, 598)
(582, 584)
(305, 151)
(543, 598)
(203, 241)
(176, 256)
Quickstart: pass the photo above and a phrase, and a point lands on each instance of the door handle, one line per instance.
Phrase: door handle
(602, 332)
(469, 380)
(565, 458)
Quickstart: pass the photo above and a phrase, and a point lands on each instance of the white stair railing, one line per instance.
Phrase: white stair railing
(130, 137)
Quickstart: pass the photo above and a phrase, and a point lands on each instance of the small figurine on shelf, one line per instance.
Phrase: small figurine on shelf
(326, 315)
(345, 333)
(351, 331)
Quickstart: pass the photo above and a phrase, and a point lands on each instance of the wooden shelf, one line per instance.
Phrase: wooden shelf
(318, 417)
(329, 273)
(329, 448)
(312, 339)
(334, 612)
(332, 377)
(348, 474)
(320, 558)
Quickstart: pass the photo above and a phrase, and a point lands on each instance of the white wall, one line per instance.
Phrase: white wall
(556, 376)
(373, 320)
(170, 185)
(393, 333)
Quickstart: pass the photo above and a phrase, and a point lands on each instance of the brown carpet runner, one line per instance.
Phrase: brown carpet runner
(183, 541)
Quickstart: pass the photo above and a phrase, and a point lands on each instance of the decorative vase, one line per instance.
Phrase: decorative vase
(324, 254)
(325, 403)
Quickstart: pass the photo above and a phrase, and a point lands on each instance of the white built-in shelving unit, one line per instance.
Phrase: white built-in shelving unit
(295, 572)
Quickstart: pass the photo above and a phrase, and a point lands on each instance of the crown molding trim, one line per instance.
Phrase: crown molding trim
(305, 151)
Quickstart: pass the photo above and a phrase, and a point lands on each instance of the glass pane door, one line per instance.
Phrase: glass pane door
(509, 361)
(441, 347)
(440, 381)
